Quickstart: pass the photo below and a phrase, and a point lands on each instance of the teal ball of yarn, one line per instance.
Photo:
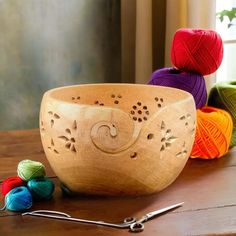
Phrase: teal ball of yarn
(18, 199)
(41, 188)
(28, 169)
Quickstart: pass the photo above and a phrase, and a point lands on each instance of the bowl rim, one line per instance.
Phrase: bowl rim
(183, 92)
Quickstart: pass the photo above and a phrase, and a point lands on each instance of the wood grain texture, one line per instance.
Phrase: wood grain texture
(207, 188)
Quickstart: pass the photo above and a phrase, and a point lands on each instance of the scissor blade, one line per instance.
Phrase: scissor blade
(158, 212)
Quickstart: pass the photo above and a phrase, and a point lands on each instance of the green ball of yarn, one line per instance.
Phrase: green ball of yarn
(223, 95)
(28, 169)
(41, 188)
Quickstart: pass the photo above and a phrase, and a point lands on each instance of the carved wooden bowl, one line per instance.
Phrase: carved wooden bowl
(117, 139)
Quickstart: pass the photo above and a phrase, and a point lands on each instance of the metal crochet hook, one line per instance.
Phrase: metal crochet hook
(130, 222)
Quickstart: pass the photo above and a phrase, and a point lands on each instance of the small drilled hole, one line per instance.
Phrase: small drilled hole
(139, 103)
(101, 104)
(139, 112)
(156, 98)
(161, 99)
(78, 97)
(134, 154)
(147, 112)
(145, 107)
(134, 107)
(72, 140)
(96, 102)
(134, 118)
(113, 95)
(150, 136)
(52, 143)
(145, 118)
(140, 120)
(159, 105)
(73, 98)
(132, 112)
(119, 96)
(116, 101)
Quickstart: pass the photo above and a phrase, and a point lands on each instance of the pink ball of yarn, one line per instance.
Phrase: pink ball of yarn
(197, 50)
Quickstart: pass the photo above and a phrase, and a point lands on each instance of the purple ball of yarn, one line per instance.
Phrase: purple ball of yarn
(190, 82)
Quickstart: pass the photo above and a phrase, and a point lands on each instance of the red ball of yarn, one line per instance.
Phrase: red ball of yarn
(197, 50)
(10, 183)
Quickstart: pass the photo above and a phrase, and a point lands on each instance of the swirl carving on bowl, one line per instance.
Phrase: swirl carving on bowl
(99, 141)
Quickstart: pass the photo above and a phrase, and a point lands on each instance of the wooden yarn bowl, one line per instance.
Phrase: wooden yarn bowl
(117, 139)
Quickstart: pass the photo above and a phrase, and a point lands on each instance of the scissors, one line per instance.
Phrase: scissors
(130, 222)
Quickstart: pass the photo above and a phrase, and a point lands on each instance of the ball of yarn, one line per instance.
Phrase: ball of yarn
(197, 50)
(190, 82)
(18, 199)
(28, 169)
(10, 183)
(213, 133)
(223, 95)
(41, 188)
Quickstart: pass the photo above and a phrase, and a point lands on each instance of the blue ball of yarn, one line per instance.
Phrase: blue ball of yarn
(18, 199)
(41, 188)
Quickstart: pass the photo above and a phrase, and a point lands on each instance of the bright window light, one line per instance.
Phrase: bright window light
(227, 70)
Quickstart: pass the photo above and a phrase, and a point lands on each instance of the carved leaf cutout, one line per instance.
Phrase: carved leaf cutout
(73, 148)
(179, 154)
(168, 131)
(64, 138)
(68, 131)
(168, 145)
(56, 116)
(171, 139)
(74, 126)
(162, 148)
(52, 143)
(163, 125)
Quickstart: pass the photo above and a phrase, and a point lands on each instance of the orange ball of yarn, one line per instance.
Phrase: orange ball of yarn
(213, 133)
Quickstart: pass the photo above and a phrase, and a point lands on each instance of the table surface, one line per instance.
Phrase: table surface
(208, 188)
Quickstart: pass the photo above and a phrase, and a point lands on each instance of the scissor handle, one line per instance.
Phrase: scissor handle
(130, 220)
(136, 227)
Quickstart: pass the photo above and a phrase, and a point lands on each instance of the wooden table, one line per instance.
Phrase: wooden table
(208, 189)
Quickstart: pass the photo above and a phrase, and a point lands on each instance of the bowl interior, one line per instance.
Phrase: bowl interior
(131, 98)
